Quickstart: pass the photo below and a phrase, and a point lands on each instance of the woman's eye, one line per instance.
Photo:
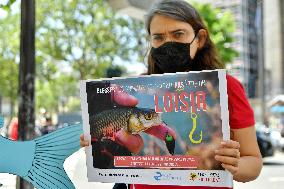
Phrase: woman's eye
(157, 37)
(148, 116)
(178, 35)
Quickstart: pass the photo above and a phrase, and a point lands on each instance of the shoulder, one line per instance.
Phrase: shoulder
(235, 89)
(241, 114)
(233, 83)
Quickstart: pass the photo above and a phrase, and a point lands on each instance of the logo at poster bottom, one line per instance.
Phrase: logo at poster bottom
(159, 176)
(204, 177)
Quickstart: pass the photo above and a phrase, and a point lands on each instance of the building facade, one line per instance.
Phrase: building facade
(274, 46)
(248, 19)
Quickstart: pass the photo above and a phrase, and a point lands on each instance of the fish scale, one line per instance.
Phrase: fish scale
(114, 119)
(110, 121)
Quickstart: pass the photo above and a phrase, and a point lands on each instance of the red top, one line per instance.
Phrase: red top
(13, 130)
(240, 116)
(240, 112)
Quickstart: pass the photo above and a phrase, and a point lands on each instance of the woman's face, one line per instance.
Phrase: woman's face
(165, 29)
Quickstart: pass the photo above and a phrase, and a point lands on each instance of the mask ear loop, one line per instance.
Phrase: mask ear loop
(195, 36)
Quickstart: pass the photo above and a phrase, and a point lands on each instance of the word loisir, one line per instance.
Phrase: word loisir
(184, 102)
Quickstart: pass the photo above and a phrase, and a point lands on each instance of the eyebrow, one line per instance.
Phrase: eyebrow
(174, 31)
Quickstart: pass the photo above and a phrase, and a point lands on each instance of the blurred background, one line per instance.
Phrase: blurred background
(46, 47)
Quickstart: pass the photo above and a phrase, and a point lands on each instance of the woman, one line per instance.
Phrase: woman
(178, 33)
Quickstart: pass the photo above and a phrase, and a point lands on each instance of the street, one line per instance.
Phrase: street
(272, 175)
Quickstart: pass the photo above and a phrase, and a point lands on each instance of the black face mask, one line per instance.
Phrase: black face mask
(172, 57)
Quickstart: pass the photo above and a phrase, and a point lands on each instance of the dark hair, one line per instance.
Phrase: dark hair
(206, 58)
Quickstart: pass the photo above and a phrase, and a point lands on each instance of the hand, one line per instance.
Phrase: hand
(229, 155)
(83, 142)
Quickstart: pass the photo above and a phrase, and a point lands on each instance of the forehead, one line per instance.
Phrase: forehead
(161, 24)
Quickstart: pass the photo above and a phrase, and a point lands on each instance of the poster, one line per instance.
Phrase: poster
(177, 123)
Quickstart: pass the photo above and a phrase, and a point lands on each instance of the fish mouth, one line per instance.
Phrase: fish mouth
(160, 131)
(164, 133)
(134, 142)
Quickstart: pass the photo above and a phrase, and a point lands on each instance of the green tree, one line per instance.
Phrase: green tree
(9, 58)
(55, 92)
(221, 25)
(85, 36)
(115, 71)
(7, 5)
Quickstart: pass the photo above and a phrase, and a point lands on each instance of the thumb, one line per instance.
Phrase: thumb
(123, 98)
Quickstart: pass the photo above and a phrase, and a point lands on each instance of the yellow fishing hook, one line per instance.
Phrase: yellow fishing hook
(190, 136)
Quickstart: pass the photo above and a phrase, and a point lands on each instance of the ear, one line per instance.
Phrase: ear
(202, 36)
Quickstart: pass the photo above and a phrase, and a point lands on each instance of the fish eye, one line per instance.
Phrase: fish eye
(148, 116)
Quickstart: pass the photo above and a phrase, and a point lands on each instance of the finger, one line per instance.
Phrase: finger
(227, 160)
(83, 143)
(134, 143)
(228, 152)
(123, 98)
(230, 144)
(230, 168)
(82, 137)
